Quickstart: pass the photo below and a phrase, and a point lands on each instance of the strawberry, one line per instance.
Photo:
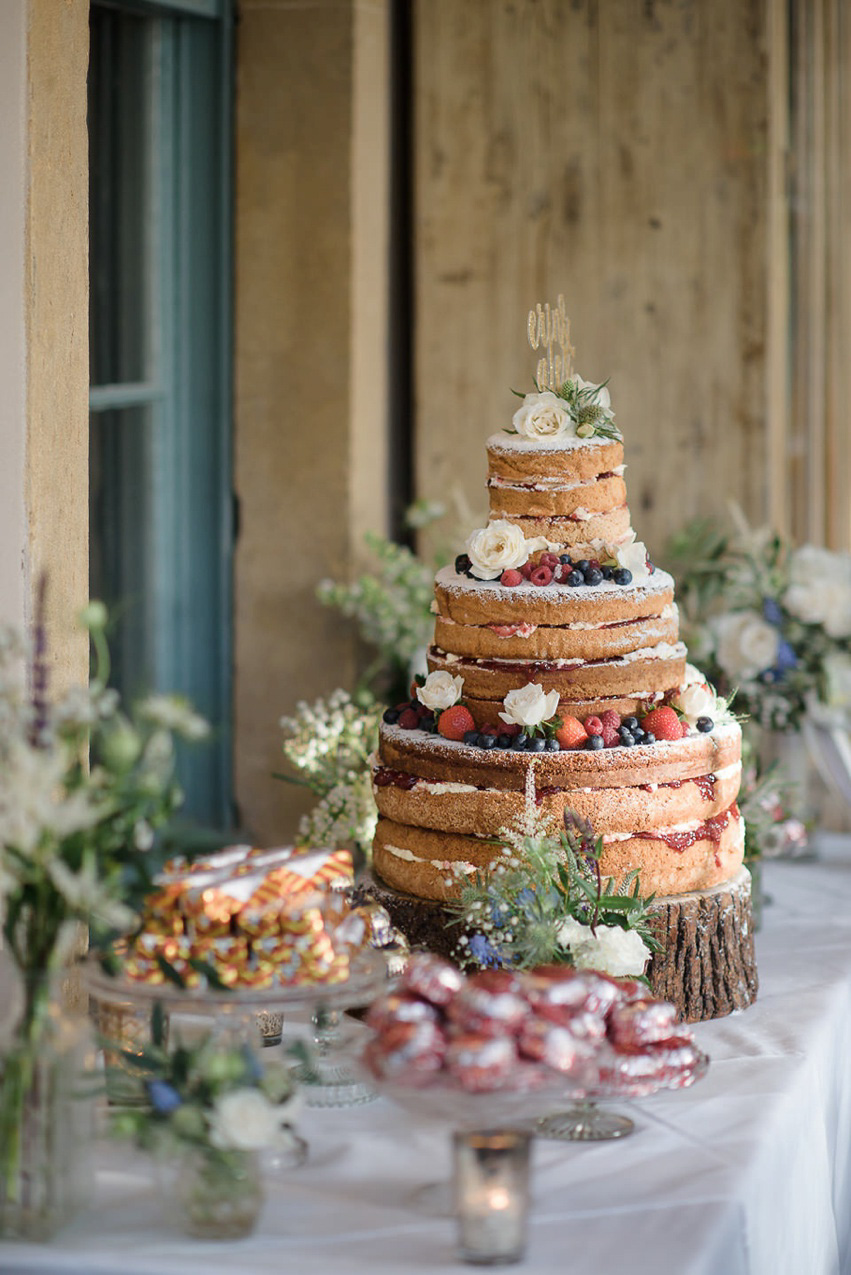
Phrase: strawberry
(663, 723)
(593, 726)
(611, 725)
(454, 722)
(511, 578)
(571, 733)
(409, 720)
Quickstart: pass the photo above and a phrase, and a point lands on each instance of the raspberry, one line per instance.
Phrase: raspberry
(611, 725)
(541, 575)
(593, 726)
(663, 723)
(454, 722)
(490, 729)
(571, 733)
(548, 560)
(511, 578)
(409, 720)
(526, 570)
(421, 709)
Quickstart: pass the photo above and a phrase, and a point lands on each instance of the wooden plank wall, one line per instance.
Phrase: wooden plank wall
(615, 152)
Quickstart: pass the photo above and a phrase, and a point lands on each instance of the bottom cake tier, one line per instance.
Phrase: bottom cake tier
(707, 967)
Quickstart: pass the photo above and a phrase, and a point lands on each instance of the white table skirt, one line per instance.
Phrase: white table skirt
(748, 1173)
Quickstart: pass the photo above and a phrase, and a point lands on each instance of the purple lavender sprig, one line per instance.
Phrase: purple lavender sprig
(39, 672)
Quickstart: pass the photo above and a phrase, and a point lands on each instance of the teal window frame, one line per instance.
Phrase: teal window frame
(176, 516)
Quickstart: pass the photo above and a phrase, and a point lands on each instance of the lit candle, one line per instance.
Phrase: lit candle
(492, 1195)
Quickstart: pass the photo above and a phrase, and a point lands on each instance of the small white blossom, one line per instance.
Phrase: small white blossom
(173, 713)
(243, 1120)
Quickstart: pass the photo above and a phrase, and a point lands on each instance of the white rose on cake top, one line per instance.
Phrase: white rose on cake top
(820, 589)
(543, 416)
(440, 691)
(745, 645)
(529, 706)
(498, 547)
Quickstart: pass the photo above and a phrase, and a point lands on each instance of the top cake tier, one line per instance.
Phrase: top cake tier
(571, 491)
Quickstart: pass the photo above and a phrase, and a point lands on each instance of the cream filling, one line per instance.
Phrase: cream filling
(550, 484)
(458, 866)
(690, 825)
(663, 651)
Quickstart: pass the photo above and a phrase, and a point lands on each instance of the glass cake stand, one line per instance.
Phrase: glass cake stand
(328, 1079)
(586, 1121)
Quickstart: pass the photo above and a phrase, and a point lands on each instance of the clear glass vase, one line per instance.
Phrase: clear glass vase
(212, 1194)
(46, 1119)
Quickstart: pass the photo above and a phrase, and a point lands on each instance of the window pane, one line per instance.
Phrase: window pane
(119, 196)
(120, 510)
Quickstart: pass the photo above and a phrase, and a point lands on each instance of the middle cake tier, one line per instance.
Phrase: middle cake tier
(608, 646)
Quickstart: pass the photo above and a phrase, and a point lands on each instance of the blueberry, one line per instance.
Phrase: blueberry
(565, 560)
(704, 724)
(649, 737)
(607, 573)
(503, 741)
(575, 579)
(536, 744)
(595, 741)
(391, 715)
(630, 723)
(471, 737)
(487, 741)
(593, 576)
(427, 722)
(627, 739)
(552, 746)
(582, 565)
(518, 743)
(622, 576)
(638, 735)
(462, 564)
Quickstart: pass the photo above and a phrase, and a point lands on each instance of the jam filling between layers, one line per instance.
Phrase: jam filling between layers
(664, 651)
(385, 776)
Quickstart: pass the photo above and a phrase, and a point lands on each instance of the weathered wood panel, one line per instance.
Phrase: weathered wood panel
(616, 153)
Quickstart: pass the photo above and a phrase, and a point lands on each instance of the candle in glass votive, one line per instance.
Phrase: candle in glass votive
(492, 1195)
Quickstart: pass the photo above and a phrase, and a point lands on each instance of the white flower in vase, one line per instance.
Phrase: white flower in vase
(745, 645)
(243, 1120)
(819, 589)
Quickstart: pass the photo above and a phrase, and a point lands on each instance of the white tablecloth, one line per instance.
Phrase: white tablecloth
(748, 1173)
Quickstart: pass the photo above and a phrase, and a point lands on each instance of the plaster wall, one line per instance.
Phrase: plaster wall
(310, 403)
(13, 165)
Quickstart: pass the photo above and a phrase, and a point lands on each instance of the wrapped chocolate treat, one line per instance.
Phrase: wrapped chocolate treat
(432, 977)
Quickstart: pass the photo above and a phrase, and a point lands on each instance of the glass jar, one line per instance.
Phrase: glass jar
(211, 1194)
(46, 1117)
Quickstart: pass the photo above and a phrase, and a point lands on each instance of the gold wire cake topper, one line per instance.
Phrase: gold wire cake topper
(550, 328)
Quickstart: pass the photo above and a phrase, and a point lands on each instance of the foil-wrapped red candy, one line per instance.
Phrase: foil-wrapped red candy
(559, 994)
(481, 1063)
(491, 1004)
(408, 1053)
(557, 1047)
(432, 978)
(642, 1023)
(664, 1063)
(400, 1007)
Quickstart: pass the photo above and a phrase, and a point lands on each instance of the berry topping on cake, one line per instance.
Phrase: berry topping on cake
(525, 570)
(622, 576)
(550, 560)
(594, 741)
(463, 564)
(571, 733)
(593, 725)
(454, 723)
(663, 723)
(611, 723)
(541, 575)
(575, 579)
(704, 724)
(409, 719)
(511, 578)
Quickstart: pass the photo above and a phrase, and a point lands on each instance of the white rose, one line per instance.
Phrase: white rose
(634, 557)
(820, 589)
(744, 644)
(621, 953)
(495, 548)
(441, 690)
(543, 416)
(696, 698)
(530, 706)
(243, 1120)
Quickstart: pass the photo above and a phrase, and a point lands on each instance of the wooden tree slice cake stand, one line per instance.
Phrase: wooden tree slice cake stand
(707, 967)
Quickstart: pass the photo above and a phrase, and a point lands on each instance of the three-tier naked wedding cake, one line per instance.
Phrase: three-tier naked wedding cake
(557, 678)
